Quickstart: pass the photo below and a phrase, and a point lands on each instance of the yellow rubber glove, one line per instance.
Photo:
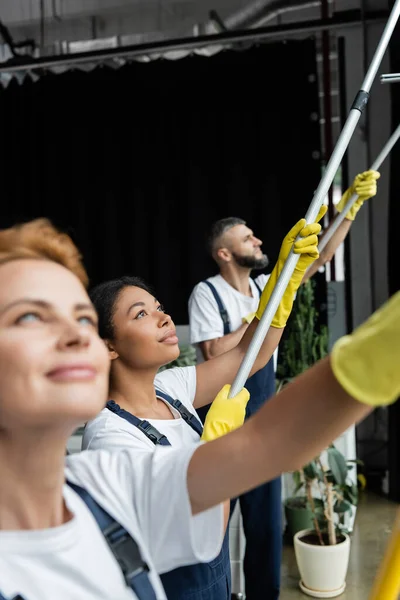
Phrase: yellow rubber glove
(225, 414)
(367, 362)
(248, 318)
(364, 185)
(307, 247)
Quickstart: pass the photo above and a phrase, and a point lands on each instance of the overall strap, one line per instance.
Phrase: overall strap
(122, 545)
(258, 287)
(189, 417)
(144, 426)
(222, 310)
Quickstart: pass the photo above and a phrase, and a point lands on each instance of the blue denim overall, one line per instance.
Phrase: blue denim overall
(202, 581)
(122, 545)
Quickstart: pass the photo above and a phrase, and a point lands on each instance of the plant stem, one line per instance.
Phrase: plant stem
(328, 508)
(311, 501)
(330, 515)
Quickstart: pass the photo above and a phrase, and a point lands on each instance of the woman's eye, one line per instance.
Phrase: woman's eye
(161, 308)
(141, 314)
(87, 320)
(30, 317)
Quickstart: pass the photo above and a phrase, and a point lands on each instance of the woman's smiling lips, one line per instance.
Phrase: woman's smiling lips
(72, 372)
(170, 337)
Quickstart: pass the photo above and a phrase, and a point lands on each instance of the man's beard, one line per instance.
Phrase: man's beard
(251, 262)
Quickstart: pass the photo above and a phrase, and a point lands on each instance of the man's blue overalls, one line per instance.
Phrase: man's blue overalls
(261, 508)
(203, 581)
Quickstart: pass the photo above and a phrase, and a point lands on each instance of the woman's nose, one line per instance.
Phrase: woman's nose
(73, 336)
(165, 319)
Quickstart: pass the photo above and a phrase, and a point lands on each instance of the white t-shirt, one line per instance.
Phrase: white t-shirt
(147, 494)
(111, 431)
(205, 321)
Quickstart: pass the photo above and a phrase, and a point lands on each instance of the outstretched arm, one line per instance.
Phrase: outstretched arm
(280, 438)
(329, 251)
(217, 346)
(364, 185)
(289, 430)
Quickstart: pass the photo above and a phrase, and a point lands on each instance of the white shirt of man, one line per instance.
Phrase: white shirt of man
(147, 494)
(204, 317)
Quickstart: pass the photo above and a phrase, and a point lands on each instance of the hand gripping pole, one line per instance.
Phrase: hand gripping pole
(374, 167)
(360, 101)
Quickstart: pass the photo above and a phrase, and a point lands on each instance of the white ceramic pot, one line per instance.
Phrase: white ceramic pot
(322, 569)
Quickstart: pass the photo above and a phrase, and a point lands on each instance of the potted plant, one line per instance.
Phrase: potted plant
(323, 493)
(299, 508)
(305, 342)
(322, 551)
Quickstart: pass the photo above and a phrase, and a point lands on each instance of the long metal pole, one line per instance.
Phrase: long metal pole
(374, 167)
(328, 136)
(360, 101)
(390, 78)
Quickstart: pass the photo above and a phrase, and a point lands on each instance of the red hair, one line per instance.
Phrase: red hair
(41, 240)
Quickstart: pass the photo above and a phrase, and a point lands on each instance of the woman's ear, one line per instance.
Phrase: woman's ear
(113, 354)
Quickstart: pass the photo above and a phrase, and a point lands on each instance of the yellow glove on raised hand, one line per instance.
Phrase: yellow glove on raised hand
(364, 185)
(307, 247)
(248, 318)
(367, 362)
(225, 414)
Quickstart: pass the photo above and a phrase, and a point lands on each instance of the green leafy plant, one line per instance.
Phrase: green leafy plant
(338, 494)
(305, 341)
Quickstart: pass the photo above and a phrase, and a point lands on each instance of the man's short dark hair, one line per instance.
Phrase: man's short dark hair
(219, 228)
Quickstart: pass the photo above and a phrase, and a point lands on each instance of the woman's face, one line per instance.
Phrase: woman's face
(144, 336)
(53, 365)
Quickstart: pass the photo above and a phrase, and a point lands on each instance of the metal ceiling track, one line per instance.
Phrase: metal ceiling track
(339, 21)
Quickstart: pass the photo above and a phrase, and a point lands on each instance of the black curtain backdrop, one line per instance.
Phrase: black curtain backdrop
(136, 163)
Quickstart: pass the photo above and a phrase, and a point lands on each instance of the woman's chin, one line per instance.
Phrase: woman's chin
(172, 354)
(82, 406)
